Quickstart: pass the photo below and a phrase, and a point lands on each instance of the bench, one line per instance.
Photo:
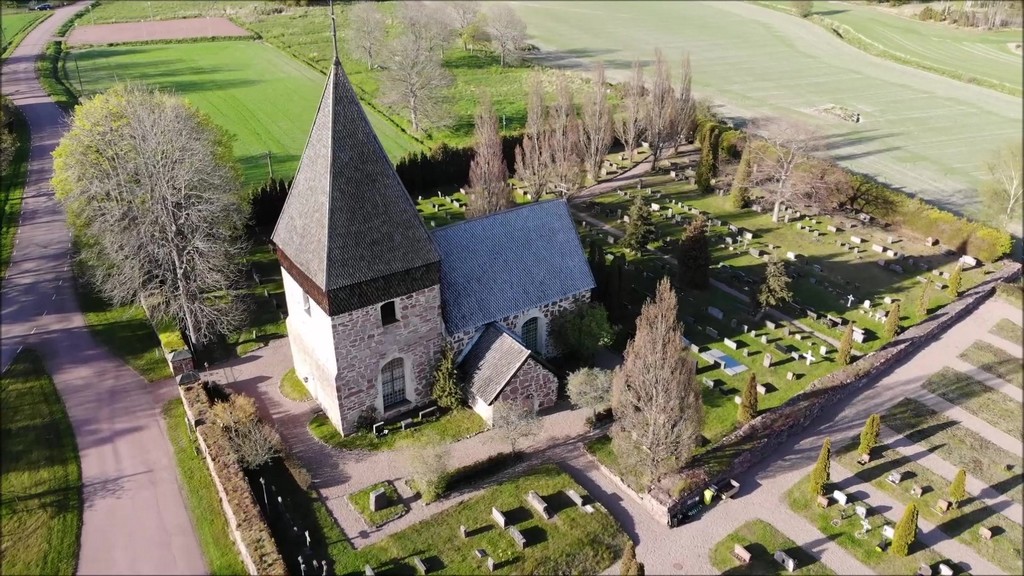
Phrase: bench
(407, 423)
(420, 566)
(539, 504)
(499, 518)
(741, 554)
(430, 413)
(517, 536)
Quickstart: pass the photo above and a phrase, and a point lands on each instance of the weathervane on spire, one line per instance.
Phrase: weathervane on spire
(334, 31)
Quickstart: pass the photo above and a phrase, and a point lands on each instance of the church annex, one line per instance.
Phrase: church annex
(372, 295)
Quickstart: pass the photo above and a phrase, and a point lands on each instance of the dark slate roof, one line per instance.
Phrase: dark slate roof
(503, 263)
(348, 225)
(492, 360)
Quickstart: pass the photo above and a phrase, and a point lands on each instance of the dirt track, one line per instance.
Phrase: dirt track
(159, 30)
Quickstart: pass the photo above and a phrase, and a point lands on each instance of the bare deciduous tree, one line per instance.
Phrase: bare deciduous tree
(428, 464)
(253, 441)
(629, 125)
(1001, 192)
(533, 163)
(488, 174)
(778, 151)
(366, 32)
(566, 154)
(507, 31)
(596, 132)
(465, 17)
(153, 194)
(515, 422)
(415, 82)
(655, 395)
(661, 111)
(428, 23)
(686, 105)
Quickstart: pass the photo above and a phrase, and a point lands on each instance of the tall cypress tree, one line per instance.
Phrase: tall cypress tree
(923, 300)
(822, 469)
(892, 321)
(958, 489)
(869, 435)
(955, 282)
(905, 532)
(694, 256)
(845, 346)
(747, 409)
(640, 231)
(740, 193)
(706, 164)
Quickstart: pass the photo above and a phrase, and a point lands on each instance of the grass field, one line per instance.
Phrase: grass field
(967, 54)
(258, 93)
(978, 399)
(14, 23)
(995, 361)
(201, 495)
(762, 540)
(450, 427)
(41, 506)
(961, 523)
(925, 133)
(1009, 330)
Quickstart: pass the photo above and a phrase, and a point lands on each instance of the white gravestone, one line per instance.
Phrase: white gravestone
(730, 343)
(888, 531)
(839, 497)
(715, 312)
(856, 239)
(862, 512)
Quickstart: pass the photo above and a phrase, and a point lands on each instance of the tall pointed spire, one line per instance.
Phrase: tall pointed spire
(334, 32)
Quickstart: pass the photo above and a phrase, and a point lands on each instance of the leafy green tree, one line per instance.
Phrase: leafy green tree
(581, 331)
(905, 532)
(589, 388)
(923, 300)
(845, 346)
(694, 256)
(822, 469)
(775, 289)
(640, 231)
(955, 282)
(740, 193)
(747, 409)
(8, 142)
(803, 8)
(869, 435)
(447, 389)
(892, 321)
(958, 489)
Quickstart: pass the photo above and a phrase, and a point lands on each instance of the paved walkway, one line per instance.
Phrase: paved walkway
(134, 519)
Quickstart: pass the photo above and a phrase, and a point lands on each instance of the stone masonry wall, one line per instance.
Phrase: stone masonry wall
(362, 347)
(531, 383)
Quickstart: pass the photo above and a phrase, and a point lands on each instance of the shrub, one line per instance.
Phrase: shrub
(447, 389)
(955, 282)
(845, 345)
(640, 231)
(478, 470)
(958, 489)
(747, 409)
(906, 531)
(428, 467)
(367, 418)
(892, 321)
(590, 388)
(803, 8)
(579, 332)
(628, 566)
(600, 418)
(730, 144)
(869, 435)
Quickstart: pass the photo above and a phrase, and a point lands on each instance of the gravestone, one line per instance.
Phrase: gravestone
(420, 566)
(831, 228)
(755, 252)
(968, 261)
(790, 376)
(929, 241)
(792, 256)
(892, 254)
(945, 570)
(711, 331)
(822, 501)
(538, 504)
(462, 530)
(378, 499)
(862, 512)
(942, 506)
(518, 537)
(985, 533)
(737, 399)
(762, 389)
(894, 477)
(856, 239)
(748, 235)
(839, 497)
(767, 362)
(888, 532)
(769, 324)
(858, 336)
(498, 517)
(782, 558)
(887, 300)
(575, 497)
(732, 323)
(916, 491)
(866, 305)
(715, 312)
(878, 248)
(368, 570)
(764, 339)
(730, 343)
(823, 350)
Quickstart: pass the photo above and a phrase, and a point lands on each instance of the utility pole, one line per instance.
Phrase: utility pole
(270, 165)
(81, 91)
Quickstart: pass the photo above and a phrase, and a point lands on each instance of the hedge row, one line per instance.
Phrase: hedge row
(447, 166)
(48, 66)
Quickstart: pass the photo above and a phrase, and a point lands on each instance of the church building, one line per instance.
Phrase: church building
(373, 295)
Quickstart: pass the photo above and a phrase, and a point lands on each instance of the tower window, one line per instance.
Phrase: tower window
(305, 303)
(388, 313)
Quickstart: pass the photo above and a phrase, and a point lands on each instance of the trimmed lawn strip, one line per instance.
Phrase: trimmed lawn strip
(956, 444)
(1009, 330)
(574, 542)
(361, 502)
(762, 540)
(961, 523)
(265, 320)
(451, 427)
(978, 399)
(995, 361)
(41, 509)
(293, 389)
(204, 504)
(12, 189)
(1011, 293)
(800, 501)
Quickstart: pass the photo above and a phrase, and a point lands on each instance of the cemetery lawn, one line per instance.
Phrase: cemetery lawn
(15, 24)
(360, 501)
(12, 188)
(264, 300)
(572, 542)
(1009, 330)
(41, 509)
(961, 523)
(293, 389)
(800, 501)
(956, 444)
(601, 448)
(201, 495)
(762, 540)
(990, 405)
(995, 361)
(1011, 293)
(451, 427)
(262, 96)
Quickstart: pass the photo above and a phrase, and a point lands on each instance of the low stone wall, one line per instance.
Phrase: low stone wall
(764, 434)
(656, 509)
(248, 527)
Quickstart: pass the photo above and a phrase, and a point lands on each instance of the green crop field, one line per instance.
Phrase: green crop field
(258, 93)
(925, 133)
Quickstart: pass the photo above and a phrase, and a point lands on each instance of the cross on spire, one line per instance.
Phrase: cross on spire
(334, 32)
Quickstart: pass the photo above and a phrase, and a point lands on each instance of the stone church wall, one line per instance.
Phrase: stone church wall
(362, 346)
(532, 385)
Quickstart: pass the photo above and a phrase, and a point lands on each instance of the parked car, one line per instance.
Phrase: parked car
(44, 7)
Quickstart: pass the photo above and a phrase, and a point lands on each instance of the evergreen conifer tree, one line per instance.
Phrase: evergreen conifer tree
(613, 295)
(955, 282)
(905, 532)
(775, 289)
(958, 489)
(740, 193)
(640, 231)
(747, 409)
(706, 164)
(869, 435)
(694, 256)
(822, 469)
(447, 389)
(892, 321)
(923, 300)
(845, 346)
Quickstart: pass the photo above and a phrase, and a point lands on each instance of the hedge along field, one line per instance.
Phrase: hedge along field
(927, 134)
(258, 93)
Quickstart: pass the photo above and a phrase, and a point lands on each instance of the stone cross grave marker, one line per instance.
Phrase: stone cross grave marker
(849, 300)
(809, 357)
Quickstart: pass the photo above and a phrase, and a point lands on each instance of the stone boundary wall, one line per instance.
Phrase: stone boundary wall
(764, 434)
(255, 542)
(656, 509)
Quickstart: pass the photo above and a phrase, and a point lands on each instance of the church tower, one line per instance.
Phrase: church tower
(360, 270)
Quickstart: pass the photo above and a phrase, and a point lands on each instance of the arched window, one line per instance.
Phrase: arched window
(529, 333)
(392, 382)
